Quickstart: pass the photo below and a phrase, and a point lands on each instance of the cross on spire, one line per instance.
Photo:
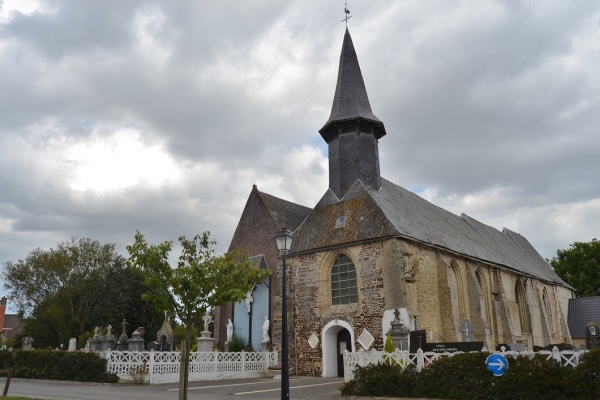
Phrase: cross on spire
(348, 16)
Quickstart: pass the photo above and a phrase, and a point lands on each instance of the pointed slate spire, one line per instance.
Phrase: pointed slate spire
(350, 102)
(352, 131)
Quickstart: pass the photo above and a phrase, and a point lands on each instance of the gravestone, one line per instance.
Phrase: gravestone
(72, 344)
(398, 332)
(467, 331)
(520, 347)
(418, 340)
(136, 343)
(122, 342)
(205, 342)
(27, 343)
(154, 346)
(592, 336)
(108, 342)
(96, 340)
(501, 345)
(452, 347)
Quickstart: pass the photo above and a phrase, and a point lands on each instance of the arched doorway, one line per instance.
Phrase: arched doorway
(337, 336)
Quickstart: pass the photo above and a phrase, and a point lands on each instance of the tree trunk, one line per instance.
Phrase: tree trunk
(184, 366)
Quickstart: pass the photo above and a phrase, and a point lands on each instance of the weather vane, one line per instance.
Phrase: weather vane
(348, 16)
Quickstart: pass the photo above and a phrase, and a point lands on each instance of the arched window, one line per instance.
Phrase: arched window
(522, 305)
(548, 310)
(343, 281)
(483, 294)
(456, 291)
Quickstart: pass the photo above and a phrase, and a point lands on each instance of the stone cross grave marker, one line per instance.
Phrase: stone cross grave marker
(467, 331)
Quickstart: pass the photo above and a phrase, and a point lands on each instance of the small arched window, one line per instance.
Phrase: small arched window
(521, 298)
(343, 281)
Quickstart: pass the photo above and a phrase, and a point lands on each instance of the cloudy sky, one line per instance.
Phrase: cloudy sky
(160, 116)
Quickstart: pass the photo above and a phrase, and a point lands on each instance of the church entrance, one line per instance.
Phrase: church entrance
(336, 336)
(343, 343)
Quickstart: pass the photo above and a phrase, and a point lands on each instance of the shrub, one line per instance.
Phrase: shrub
(587, 376)
(57, 365)
(237, 343)
(536, 378)
(463, 376)
(381, 380)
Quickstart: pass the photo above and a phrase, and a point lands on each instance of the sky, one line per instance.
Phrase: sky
(160, 116)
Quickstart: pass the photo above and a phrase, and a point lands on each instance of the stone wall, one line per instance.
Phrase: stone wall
(397, 273)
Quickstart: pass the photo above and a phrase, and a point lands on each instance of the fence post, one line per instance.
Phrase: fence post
(216, 356)
(420, 360)
(556, 355)
(151, 367)
(243, 356)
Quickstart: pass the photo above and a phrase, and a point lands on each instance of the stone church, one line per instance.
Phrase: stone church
(370, 247)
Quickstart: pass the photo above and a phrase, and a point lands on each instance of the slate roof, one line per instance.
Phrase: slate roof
(285, 213)
(582, 311)
(393, 211)
(350, 100)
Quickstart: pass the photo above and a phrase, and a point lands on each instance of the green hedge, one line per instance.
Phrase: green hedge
(57, 365)
(465, 376)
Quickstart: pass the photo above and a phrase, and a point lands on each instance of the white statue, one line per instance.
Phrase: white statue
(265, 330)
(229, 330)
(249, 300)
(206, 319)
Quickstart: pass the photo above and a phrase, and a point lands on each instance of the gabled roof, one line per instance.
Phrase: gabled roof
(394, 211)
(350, 101)
(285, 213)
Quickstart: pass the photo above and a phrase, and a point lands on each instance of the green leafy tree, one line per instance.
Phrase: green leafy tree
(200, 281)
(579, 266)
(66, 291)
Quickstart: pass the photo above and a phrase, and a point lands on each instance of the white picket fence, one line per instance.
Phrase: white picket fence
(163, 367)
(421, 359)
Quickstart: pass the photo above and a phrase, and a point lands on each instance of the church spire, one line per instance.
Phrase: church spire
(350, 101)
(352, 130)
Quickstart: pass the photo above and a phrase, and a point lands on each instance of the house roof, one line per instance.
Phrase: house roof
(285, 213)
(350, 101)
(394, 211)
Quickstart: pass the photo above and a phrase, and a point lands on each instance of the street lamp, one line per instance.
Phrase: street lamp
(284, 244)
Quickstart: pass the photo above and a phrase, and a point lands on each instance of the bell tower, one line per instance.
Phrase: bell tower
(352, 130)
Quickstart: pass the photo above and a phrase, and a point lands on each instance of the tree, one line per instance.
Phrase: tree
(66, 291)
(579, 266)
(200, 281)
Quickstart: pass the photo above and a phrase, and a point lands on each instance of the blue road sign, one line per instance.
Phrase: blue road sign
(497, 364)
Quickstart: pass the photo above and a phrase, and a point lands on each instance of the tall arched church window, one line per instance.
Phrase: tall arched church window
(548, 310)
(456, 291)
(343, 281)
(483, 293)
(521, 297)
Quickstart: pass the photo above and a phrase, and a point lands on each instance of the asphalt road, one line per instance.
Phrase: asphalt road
(264, 388)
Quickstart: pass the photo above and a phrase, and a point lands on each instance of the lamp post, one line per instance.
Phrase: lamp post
(284, 244)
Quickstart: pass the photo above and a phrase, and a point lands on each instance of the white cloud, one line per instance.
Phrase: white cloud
(491, 109)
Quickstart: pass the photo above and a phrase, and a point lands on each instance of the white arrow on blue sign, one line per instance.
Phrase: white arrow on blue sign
(497, 364)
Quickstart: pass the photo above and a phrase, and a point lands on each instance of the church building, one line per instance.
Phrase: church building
(370, 247)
